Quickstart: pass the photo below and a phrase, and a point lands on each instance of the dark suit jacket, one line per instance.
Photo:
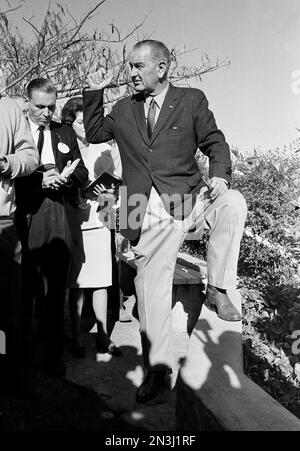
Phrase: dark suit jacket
(167, 160)
(29, 192)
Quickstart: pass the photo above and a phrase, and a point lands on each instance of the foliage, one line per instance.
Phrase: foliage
(64, 49)
(268, 268)
(270, 184)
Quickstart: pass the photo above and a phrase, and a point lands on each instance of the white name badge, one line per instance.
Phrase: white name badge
(63, 148)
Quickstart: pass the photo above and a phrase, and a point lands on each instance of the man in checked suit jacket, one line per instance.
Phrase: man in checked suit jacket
(157, 142)
(51, 230)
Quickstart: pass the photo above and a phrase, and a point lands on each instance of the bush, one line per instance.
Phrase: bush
(268, 268)
(270, 184)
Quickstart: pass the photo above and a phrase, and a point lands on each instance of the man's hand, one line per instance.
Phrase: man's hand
(52, 180)
(66, 173)
(100, 79)
(218, 187)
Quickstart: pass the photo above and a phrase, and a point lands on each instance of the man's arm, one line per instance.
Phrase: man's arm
(98, 128)
(23, 158)
(211, 140)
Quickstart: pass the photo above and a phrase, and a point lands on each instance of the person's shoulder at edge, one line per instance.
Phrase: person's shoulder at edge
(8, 106)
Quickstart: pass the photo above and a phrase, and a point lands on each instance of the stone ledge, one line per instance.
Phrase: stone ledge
(213, 392)
(213, 409)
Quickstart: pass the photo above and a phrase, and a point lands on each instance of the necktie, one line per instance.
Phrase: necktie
(151, 117)
(41, 139)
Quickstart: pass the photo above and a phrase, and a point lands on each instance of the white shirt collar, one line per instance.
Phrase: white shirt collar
(159, 98)
(34, 127)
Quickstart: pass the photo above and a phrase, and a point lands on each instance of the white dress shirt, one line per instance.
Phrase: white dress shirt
(47, 156)
(159, 100)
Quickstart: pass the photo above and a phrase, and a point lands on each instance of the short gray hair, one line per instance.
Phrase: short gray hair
(159, 50)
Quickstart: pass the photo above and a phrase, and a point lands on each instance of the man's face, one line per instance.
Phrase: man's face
(144, 71)
(41, 107)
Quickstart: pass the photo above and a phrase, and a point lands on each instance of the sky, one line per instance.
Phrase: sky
(256, 99)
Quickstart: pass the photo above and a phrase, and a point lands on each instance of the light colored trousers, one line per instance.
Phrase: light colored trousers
(156, 255)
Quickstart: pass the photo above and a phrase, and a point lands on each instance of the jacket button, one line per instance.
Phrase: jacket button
(150, 150)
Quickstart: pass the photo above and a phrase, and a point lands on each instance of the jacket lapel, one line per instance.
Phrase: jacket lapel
(54, 142)
(139, 114)
(168, 108)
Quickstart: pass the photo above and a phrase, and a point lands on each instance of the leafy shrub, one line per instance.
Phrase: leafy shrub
(270, 184)
(268, 267)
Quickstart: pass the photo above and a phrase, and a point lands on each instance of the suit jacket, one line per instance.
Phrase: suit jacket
(167, 160)
(29, 191)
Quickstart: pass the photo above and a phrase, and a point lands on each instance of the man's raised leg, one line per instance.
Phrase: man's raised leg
(225, 218)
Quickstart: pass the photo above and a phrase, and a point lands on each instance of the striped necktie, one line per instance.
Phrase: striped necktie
(151, 117)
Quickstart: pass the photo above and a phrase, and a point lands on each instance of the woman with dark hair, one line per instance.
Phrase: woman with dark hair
(96, 272)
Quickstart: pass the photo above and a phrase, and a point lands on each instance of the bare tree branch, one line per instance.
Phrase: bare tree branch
(120, 39)
(10, 9)
(66, 46)
(62, 51)
(85, 19)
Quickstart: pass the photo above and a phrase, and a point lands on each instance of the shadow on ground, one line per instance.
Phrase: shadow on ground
(115, 379)
(44, 403)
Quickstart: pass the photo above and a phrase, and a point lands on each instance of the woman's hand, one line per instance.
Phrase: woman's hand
(97, 191)
(101, 189)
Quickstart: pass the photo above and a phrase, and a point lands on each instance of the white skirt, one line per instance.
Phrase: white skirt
(96, 271)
